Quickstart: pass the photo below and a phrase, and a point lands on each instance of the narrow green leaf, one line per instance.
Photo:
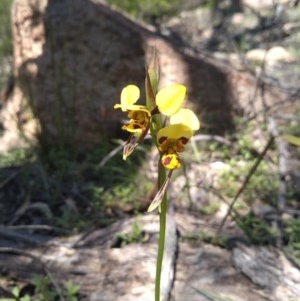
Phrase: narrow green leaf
(291, 139)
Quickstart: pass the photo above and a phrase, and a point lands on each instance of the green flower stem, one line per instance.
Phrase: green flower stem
(162, 231)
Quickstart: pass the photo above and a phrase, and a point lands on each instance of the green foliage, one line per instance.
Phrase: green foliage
(44, 291)
(136, 235)
(70, 219)
(263, 184)
(205, 236)
(71, 291)
(59, 176)
(216, 240)
(148, 9)
(258, 231)
(5, 40)
(292, 229)
(16, 292)
(5, 28)
(121, 188)
(15, 157)
(210, 208)
(292, 233)
(209, 4)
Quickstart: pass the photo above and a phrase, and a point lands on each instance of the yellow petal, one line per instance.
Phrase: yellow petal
(186, 117)
(170, 99)
(174, 131)
(171, 161)
(133, 127)
(125, 108)
(129, 95)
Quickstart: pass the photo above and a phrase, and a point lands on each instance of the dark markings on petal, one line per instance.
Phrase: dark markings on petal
(161, 140)
(167, 161)
(136, 126)
(184, 140)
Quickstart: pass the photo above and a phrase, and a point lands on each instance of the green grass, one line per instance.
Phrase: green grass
(136, 234)
(5, 28)
(44, 290)
(148, 10)
(78, 193)
(15, 157)
(5, 39)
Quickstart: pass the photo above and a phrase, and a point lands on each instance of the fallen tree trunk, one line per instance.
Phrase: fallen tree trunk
(270, 269)
(106, 271)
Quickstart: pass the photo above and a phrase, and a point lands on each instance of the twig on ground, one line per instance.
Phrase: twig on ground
(219, 195)
(8, 179)
(38, 227)
(210, 295)
(216, 138)
(12, 235)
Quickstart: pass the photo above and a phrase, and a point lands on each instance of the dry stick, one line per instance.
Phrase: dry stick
(204, 137)
(19, 252)
(17, 236)
(283, 156)
(110, 155)
(8, 179)
(37, 227)
(249, 175)
(219, 195)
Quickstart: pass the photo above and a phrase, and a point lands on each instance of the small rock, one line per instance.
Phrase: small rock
(271, 56)
(290, 27)
(259, 4)
(219, 165)
(237, 18)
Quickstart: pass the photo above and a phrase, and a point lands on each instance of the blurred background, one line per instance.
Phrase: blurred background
(60, 189)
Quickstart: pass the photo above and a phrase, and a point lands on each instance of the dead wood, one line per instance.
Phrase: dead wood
(111, 273)
(271, 270)
(93, 262)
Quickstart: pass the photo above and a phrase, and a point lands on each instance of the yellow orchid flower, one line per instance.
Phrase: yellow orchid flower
(186, 117)
(171, 140)
(170, 99)
(168, 102)
(161, 107)
(139, 115)
(129, 96)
